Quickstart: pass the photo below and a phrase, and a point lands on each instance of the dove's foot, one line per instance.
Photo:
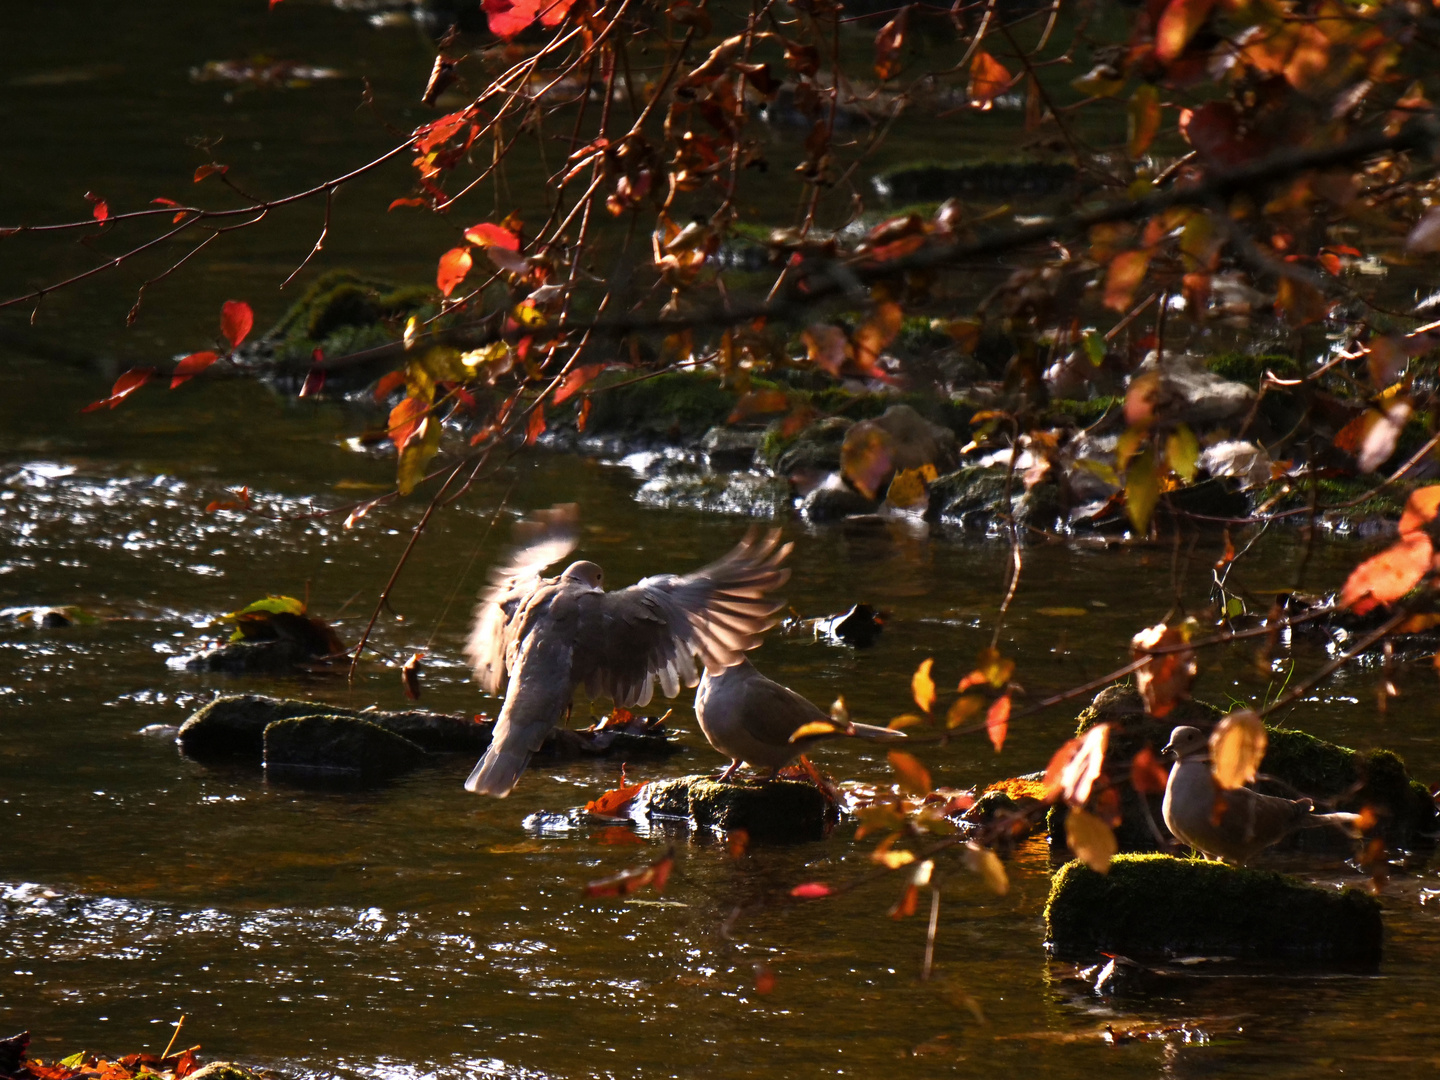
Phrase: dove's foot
(726, 776)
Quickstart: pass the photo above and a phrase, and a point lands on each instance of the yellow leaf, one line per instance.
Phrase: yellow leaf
(417, 454)
(1237, 746)
(909, 488)
(814, 727)
(1142, 490)
(1091, 840)
(965, 708)
(893, 860)
(987, 864)
(1182, 452)
(840, 712)
(914, 777)
(923, 686)
(996, 668)
(905, 720)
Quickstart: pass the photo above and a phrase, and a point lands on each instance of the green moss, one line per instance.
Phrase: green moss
(1083, 413)
(1248, 369)
(1160, 906)
(1334, 491)
(344, 312)
(681, 405)
(773, 811)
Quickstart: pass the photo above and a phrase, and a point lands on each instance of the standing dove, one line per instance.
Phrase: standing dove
(551, 635)
(1235, 824)
(750, 718)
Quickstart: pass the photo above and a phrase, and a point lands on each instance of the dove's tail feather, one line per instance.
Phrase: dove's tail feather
(497, 772)
(879, 734)
(1347, 823)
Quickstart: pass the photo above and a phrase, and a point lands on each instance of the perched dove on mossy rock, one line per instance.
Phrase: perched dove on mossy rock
(548, 636)
(754, 720)
(1237, 824)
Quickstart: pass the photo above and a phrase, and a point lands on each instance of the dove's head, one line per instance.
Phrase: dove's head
(587, 572)
(1186, 741)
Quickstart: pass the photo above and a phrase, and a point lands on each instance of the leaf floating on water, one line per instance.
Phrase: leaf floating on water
(811, 890)
(1062, 612)
(764, 980)
(1237, 746)
(1091, 840)
(613, 803)
(628, 881)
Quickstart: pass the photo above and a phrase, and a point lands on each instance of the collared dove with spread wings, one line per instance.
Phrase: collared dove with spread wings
(551, 635)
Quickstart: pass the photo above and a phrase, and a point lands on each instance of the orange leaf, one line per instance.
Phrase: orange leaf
(454, 265)
(922, 686)
(1178, 23)
(878, 331)
(914, 777)
(404, 202)
(612, 802)
(1385, 578)
(236, 319)
(1164, 679)
(410, 676)
(191, 365)
(629, 881)
(405, 419)
(124, 386)
(210, 170)
(1127, 271)
(764, 980)
(388, 384)
(888, 43)
(1420, 509)
(811, 890)
(1147, 775)
(997, 721)
(488, 235)
(989, 78)
(1073, 770)
(584, 415)
(1144, 116)
(575, 381)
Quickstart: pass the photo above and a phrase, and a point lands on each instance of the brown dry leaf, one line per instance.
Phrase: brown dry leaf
(1164, 680)
(1237, 746)
(826, 346)
(1091, 840)
(923, 686)
(629, 881)
(867, 461)
(1074, 768)
(987, 864)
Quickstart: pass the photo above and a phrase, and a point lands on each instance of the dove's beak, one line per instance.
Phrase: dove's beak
(1169, 748)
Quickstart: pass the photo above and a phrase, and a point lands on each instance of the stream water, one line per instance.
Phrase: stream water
(416, 931)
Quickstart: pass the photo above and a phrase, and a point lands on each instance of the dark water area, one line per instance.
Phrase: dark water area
(415, 931)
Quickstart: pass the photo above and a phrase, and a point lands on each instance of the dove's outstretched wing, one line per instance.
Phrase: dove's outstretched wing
(541, 540)
(657, 627)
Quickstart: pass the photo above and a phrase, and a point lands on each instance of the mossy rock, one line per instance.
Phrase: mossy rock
(815, 449)
(344, 312)
(322, 750)
(771, 811)
(675, 407)
(1250, 369)
(224, 1070)
(973, 496)
(1154, 906)
(275, 657)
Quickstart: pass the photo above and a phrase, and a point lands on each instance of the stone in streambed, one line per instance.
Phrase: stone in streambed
(225, 1070)
(771, 811)
(329, 749)
(1153, 906)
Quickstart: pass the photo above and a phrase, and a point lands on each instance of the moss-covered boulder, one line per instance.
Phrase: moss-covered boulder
(323, 750)
(771, 811)
(344, 312)
(815, 450)
(1153, 906)
(678, 407)
(973, 496)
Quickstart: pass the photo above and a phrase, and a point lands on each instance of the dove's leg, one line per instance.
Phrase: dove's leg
(725, 776)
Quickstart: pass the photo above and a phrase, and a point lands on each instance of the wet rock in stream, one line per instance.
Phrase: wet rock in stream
(1161, 906)
(323, 750)
(771, 811)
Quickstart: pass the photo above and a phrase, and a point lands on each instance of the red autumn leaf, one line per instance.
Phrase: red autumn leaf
(1385, 578)
(989, 78)
(124, 386)
(1074, 768)
(612, 803)
(236, 319)
(314, 382)
(389, 383)
(575, 381)
(997, 721)
(191, 365)
(210, 170)
(241, 502)
(1127, 271)
(101, 208)
(1178, 23)
(410, 676)
(811, 890)
(535, 426)
(488, 235)
(1147, 775)
(170, 202)
(553, 12)
(584, 414)
(507, 19)
(405, 420)
(764, 980)
(454, 265)
(404, 202)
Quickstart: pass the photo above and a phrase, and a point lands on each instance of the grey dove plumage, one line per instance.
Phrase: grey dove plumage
(541, 638)
(1235, 824)
(750, 719)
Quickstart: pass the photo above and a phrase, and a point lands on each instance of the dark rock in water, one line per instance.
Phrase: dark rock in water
(744, 493)
(815, 450)
(731, 448)
(859, 627)
(1159, 906)
(1005, 180)
(1295, 764)
(249, 657)
(234, 726)
(834, 499)
(225, 1070)
(969, 496)
(771, 811)
(336, 749)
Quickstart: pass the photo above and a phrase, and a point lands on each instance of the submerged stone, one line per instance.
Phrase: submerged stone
(249, 657)
(1152, 906)
(833, 499)
(730, 447)
(328, 749)
(772, 811)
